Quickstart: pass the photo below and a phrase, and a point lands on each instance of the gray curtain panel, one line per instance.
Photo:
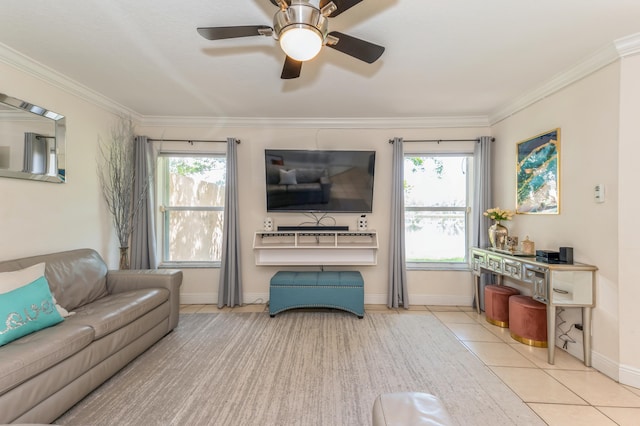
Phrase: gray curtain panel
(143, 238)
(36, 157)
(230, 285)
(483, 200)
(398, 295)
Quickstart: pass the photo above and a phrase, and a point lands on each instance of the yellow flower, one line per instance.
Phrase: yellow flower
(498, 214)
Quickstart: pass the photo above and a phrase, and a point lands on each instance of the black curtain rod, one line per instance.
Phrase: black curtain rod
(190, 141)
(443, 140)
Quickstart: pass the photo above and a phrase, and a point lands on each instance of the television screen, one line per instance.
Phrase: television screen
(319, 181)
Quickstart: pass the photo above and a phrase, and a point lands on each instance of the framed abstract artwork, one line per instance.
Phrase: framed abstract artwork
(538, 174)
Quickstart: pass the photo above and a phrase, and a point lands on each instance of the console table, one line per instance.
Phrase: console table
(554, 284)
(315, 247)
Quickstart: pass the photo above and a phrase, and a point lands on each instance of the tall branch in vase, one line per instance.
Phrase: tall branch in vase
(116, 172)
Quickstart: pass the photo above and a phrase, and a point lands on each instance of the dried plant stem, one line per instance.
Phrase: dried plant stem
(116, 172)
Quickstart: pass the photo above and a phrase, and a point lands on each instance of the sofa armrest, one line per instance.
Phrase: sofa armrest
(325, 184)
(171, 279)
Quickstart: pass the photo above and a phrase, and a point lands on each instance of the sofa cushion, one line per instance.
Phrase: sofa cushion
(310, 175)
(35, 353)
(305, 187)
(115, 311)
(14, 279)
(27, 309)
(76, 277)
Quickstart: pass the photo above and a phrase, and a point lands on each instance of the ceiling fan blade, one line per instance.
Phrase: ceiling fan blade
(359, 49)
(220, 33)
(342, 5)
(291, 69)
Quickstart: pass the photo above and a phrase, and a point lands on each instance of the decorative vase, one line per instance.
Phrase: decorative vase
(124, 257)
(498, 235)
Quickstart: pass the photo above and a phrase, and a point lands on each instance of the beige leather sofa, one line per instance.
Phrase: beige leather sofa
(117, 316)
(409, 408)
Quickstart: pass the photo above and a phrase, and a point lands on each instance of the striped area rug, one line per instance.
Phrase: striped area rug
(299, 368)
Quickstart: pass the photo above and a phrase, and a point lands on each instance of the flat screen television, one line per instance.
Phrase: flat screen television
(319, 181)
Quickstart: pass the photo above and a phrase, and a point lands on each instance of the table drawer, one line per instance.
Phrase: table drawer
(494, 264)
(537, 276)
(478, 261)
(512, 268)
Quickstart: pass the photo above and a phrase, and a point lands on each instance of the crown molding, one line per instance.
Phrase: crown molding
(620, 48)
(627, 46)
(609, 54)
(37, 70)
(325, 123)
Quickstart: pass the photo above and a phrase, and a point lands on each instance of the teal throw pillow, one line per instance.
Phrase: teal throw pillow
(27, 309)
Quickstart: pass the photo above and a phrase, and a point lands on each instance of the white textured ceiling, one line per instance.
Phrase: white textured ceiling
(443, 58)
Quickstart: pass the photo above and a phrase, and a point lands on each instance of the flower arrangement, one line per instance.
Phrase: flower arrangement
(498, 214)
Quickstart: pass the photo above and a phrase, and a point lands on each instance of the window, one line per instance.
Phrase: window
(437, 204)
(191, 198)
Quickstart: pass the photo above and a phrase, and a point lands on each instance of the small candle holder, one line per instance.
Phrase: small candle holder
(528, 247)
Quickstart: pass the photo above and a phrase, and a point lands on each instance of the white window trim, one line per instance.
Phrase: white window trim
(161, 230)
(447, 266)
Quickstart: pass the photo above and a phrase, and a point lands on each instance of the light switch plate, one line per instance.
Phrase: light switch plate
(598, 193)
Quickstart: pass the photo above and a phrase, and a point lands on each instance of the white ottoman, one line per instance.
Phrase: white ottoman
(409, 408)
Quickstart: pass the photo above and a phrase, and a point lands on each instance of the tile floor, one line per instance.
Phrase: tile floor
(566, 393)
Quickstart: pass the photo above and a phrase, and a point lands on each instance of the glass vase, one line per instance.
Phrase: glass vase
(124, 257)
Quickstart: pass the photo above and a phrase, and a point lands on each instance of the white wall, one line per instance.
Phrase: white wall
(200, 285)
(39, 217)
(587, 113)
(628, 231)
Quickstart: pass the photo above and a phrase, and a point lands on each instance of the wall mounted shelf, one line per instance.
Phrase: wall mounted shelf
(315, 248)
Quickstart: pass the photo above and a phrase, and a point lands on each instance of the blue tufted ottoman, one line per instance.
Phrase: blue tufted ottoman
(317, 289)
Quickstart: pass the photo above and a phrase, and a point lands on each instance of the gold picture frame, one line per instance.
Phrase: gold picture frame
(538, 174)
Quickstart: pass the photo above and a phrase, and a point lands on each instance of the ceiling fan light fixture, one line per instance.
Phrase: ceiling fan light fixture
(301, 42)
(301, 30)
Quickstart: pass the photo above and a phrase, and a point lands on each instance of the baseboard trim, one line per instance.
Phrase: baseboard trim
(606, 366)
(212, 298)
(630, 376)
(422, 299)
(369, 299)
(198, 298)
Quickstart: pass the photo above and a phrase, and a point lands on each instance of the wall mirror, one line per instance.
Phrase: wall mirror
(32, 141)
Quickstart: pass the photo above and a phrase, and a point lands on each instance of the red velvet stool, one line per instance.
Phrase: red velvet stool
(496, 304)
(528, 321)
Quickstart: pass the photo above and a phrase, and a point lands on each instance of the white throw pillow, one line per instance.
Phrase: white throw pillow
(12, 280)
(288, 177)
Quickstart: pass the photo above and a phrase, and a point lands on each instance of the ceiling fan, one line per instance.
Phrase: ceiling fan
(302, 29)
